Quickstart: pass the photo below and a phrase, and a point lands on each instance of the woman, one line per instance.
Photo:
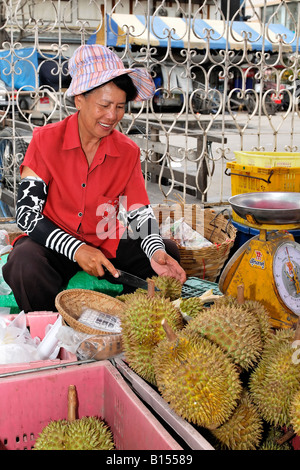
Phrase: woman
(75, 175)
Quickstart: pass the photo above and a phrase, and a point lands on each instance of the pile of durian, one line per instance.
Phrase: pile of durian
(221, 366)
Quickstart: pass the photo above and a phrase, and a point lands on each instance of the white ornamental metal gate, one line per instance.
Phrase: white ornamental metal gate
(226, 81)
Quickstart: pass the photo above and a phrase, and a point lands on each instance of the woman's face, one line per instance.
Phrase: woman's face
(100, 110)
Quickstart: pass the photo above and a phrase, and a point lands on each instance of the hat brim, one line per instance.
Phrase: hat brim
(141, 78)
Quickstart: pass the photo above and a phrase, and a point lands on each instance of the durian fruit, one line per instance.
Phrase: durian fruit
(197, 379)
(255, 308)
(126, 297)
(276, 379)
(243, 430)
(295, 412)
(88, 433)
(271, 440)
(233, 329)
(191, 306)
(142, 330)
(52, 436)
(168, 286)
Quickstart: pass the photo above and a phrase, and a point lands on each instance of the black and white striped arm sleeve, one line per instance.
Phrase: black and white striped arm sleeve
(32, 195)
(144, 226)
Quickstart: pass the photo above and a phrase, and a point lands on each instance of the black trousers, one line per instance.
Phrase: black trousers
(37, 274)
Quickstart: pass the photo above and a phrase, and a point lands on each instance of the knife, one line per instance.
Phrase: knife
(128, 279)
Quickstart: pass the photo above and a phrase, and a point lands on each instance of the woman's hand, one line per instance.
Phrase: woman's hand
(93, 261)
(164, 265)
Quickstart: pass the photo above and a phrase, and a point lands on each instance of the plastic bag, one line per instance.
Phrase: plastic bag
(87, 346)
(100, 320)
(49, 347)
(100, 347)
(16, 344)
(183, 234)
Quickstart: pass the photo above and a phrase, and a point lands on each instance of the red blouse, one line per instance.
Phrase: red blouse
(85, 201)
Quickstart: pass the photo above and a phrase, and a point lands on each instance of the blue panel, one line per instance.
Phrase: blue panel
(112, 32)
(216, 42)
(290, 35)
(255, 40)
(159, 33)
(24, 75)
(92, 39)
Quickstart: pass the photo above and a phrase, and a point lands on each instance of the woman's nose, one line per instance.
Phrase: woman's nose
(112, 112)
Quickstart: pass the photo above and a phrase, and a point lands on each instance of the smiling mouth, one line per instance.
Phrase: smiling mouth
(106, 126)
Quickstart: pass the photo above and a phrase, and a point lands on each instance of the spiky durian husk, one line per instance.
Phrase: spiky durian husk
(263, 316)
(233, 329)
(279, 337)
(191, 306)
(243, 430)
(169, 287)
(255, 308)
(295, 412)
(142, 330)
(52, 437)
(276, 379)
(270, 442)
(197, 379)
(88, 433)
(126, 297)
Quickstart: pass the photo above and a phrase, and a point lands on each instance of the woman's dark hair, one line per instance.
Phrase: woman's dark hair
(123, 82)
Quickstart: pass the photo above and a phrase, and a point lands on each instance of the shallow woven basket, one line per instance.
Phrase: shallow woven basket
(70, 303)
(206, 262)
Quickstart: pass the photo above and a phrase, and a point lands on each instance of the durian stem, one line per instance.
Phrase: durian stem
(240, 294)
(151, 287)
(72, 403)
(168, 330)
(288, 435)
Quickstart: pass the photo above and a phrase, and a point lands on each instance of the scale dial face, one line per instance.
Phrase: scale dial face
(286, 272)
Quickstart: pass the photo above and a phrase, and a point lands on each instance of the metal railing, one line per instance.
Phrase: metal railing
(219, 89)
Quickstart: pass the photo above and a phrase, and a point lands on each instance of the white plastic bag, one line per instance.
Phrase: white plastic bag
(87, 346)
(16, 344)
(183, 234)
(49, 347)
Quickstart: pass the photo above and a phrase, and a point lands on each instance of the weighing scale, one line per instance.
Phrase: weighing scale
(268, 265)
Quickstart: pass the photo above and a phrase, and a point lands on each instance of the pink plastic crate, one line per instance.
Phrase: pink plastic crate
(29, 401)
(37, 322)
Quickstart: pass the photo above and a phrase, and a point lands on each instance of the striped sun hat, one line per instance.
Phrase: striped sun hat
(94, 65)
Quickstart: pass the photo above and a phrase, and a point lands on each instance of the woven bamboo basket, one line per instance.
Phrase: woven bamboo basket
(206, 262)
(71, 302)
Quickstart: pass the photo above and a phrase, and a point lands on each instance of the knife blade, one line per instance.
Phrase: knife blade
(128, 279)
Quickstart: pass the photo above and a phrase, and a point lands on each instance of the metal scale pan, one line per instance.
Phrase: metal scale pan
(269, 209)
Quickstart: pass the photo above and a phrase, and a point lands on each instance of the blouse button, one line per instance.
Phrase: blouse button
(83, 185)
(79, 214)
